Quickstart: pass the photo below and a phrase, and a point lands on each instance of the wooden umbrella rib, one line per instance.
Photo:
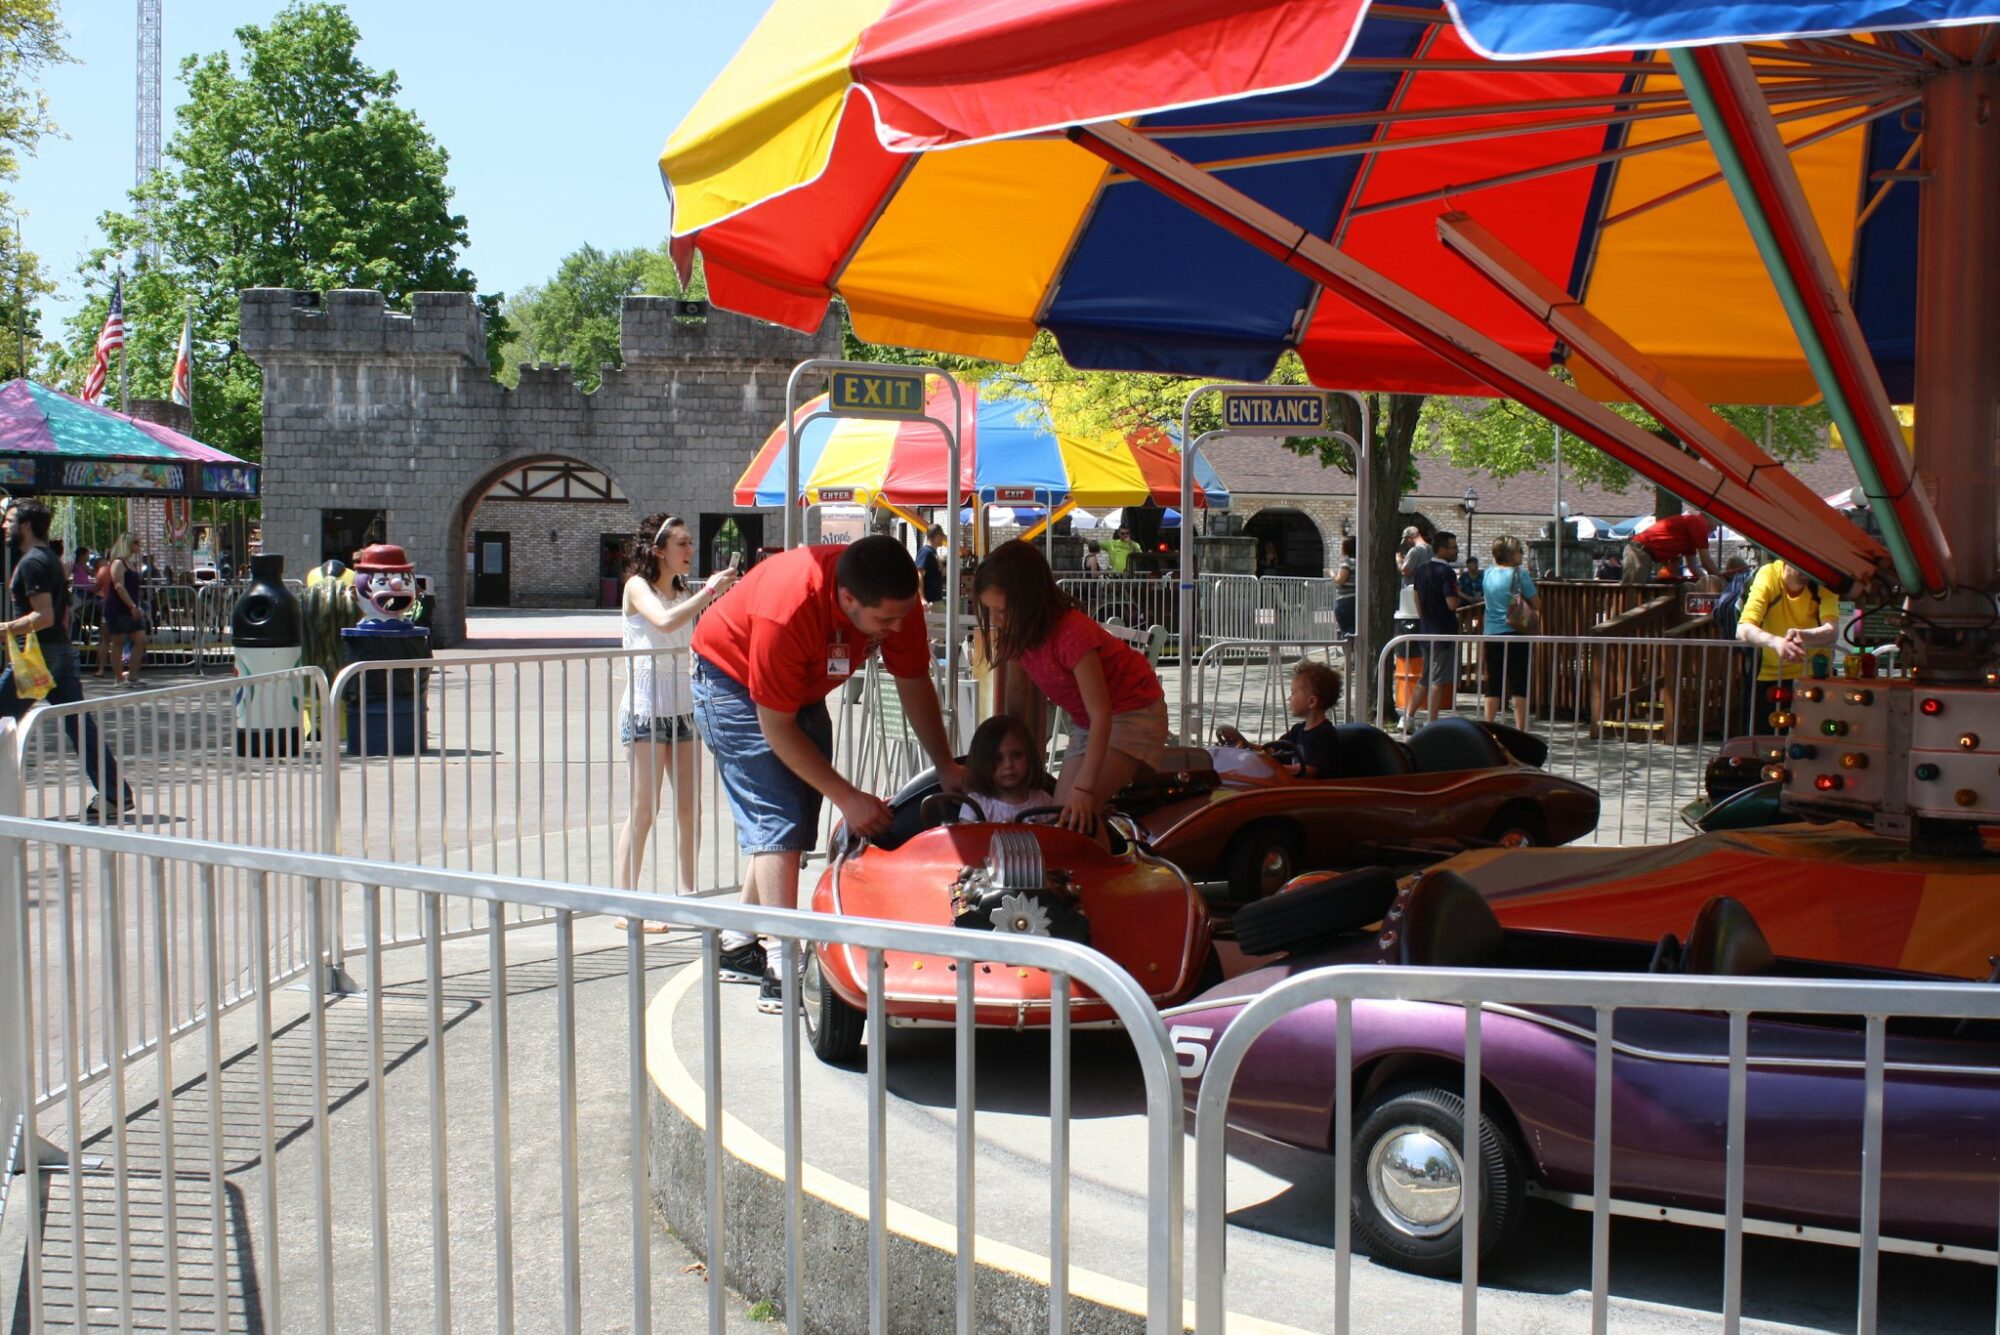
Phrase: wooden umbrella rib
(1825, 132)
(1327, 152)
(1587, 160)
(1882, 191)
(1791, 92)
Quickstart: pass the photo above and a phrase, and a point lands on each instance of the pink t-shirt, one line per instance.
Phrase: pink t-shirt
(1051, 665)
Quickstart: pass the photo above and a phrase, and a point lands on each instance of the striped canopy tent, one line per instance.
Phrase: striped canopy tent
(1199, 186)
(1011, 454)
(54, 444)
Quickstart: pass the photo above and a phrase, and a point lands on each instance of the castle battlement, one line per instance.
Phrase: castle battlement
(281, 323)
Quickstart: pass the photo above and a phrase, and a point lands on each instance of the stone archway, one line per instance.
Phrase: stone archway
(1301, 545)
(536, 531)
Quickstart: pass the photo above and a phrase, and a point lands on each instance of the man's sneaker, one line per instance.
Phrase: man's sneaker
(745, 964)
(102, 812)
(771, 994)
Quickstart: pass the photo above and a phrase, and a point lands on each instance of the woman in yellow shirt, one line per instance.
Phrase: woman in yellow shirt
(1787, 614)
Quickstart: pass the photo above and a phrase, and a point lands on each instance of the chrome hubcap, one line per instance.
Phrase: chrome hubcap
(809, 991)
(1277, 869)
(1516, 839)
(1416, 1181)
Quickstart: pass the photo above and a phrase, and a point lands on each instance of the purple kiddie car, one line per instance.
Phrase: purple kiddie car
(1670, 1077)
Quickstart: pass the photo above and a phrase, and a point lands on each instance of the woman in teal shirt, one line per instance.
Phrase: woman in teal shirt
(1506, 665)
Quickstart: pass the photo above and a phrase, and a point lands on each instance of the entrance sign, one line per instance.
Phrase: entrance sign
(1274, 414)
(875, 394)
(835, 495)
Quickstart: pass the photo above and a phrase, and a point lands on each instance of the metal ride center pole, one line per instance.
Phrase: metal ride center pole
(793, 529)
(1958, 314)
(1191, 448)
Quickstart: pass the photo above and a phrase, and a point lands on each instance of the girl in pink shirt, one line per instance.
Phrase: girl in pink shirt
(1112, 695)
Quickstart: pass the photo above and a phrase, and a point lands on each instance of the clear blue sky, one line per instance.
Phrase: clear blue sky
(554, 114)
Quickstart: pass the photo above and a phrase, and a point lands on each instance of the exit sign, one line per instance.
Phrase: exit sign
(876, 394)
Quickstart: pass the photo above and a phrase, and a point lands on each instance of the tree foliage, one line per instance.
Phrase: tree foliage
(573, 318)
(292, 165)
(31, 38)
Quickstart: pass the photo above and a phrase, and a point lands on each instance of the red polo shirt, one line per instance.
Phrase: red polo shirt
(778, 629)
(1676, 535)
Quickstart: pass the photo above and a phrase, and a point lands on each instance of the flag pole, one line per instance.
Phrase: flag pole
(124, 365)
(20, 302)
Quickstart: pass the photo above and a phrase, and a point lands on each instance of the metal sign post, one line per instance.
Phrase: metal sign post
(895, 394)
(1267, 410)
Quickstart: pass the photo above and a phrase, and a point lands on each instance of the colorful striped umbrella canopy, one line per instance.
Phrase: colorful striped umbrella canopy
(1010, 452)
(801, 174)
(1575, 140)
(52, 442)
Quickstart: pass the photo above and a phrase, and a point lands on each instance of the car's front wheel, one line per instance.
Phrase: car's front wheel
(1261, 859)
(833, 1027)
(1518, 826)
(1410, 1175)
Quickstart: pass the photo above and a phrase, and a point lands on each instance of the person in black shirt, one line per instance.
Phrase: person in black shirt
(1438, 601)
(40, 594)
(1310, 749)
(931, 565)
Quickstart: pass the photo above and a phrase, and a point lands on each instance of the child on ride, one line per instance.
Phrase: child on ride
(1313, 743)
(1001, 771)
(1117, 708)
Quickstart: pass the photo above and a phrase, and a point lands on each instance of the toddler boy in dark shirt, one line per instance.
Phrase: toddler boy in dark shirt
(1312, 745)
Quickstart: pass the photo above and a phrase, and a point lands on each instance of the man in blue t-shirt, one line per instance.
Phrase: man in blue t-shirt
(1438, 601)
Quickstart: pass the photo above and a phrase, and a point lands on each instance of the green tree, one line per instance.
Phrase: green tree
(573, 318)
(291, 166)
(31, 38)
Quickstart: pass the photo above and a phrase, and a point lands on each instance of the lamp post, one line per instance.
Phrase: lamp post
(1469, 503)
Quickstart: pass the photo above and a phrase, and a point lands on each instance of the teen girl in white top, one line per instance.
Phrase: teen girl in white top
(656, 718)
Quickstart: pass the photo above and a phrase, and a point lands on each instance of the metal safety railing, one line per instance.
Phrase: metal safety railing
(1245, 684)
(235, 1149)
(187, 626)
(1226, 607)
(517, 764)
(174, 762)
(1638, 719)
(1369, 1002)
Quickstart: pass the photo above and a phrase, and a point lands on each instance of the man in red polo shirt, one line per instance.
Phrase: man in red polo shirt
(1664, 542)
(766, 655)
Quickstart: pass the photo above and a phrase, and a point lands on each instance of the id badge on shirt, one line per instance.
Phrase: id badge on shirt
(837, 662)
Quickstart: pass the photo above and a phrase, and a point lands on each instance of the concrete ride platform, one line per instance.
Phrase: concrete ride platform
(1280, 1246)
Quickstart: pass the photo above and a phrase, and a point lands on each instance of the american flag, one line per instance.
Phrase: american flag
(183, 392)
(112, 339)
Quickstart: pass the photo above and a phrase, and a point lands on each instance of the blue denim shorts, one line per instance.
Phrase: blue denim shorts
(775, 811)
(667, 728)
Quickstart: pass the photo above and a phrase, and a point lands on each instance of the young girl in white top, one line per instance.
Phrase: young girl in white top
(656, 717)
(1002, 775)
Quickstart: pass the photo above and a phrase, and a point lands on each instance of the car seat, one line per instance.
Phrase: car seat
(1446, 923)
(1727, 942)
(1451, 743)
(1366, 752)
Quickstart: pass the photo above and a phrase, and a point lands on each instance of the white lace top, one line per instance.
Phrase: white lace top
(659, 686)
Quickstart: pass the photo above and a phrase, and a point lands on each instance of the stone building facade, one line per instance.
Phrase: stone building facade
(382, 423)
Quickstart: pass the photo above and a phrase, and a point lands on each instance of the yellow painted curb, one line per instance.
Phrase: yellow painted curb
(672, 1079)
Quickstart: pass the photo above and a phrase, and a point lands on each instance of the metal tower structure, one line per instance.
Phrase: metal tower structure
(146, 160)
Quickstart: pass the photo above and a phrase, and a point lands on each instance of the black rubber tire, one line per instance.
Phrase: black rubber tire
(1210, 974)
(1262, 859)
(833, 1027)
(1502, 1192)
(1316, 908)
(1518, 825)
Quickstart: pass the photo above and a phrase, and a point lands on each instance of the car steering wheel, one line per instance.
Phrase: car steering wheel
(1050, 812)
(942, 808)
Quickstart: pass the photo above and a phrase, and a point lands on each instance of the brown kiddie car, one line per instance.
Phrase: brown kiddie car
(1236, 815)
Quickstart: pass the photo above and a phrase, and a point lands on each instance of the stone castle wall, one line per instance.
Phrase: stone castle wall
(368, 409)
